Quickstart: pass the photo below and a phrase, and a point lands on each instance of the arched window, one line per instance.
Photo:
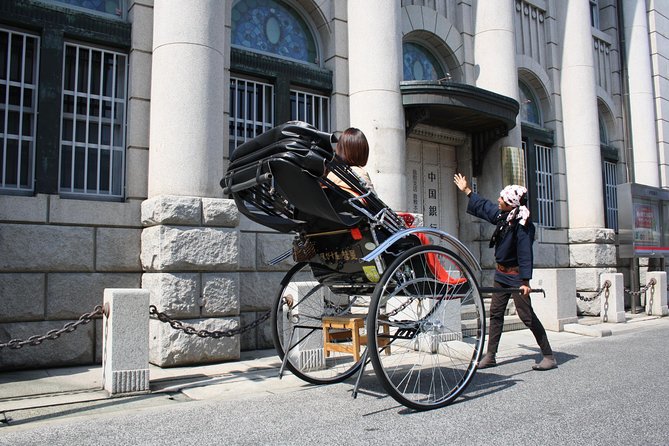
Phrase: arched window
(269, 26)
(529, 107)
(275, 72)
(419, 64)
(603, 132)
(537, 143)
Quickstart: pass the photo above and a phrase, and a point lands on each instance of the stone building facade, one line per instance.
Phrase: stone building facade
(118, 117)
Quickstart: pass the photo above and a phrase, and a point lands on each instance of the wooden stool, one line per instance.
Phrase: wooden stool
(346, 327)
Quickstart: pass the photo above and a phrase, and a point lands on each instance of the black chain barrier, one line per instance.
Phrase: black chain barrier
(605, 287)
(216, 334)
(51, 335)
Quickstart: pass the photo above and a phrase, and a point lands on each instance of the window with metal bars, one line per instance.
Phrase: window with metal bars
(540, 183)
(252, 105)
(311, 108)
(19, 56)
(611, 195)
(93, 117)
(251, 110)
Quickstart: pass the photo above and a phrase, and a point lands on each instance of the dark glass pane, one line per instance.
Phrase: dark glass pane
(67, 130)
(16, 58)
(70, 65)
(27, 124)
(104, 171)
(92, 173)
(117, 173)
(96, 67)
(25, 163)
(83, 70)
(12, 156)
(79, 165)
(65, 166)
(4, 48)
(13, 118)
(29, 76)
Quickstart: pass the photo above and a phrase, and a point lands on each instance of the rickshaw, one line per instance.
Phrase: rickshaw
(367, 285)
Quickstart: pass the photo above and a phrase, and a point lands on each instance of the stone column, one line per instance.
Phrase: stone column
(591, 246)
(641, 96)
(187, 91)
(495, 55)
(580, 120)
(375, 72)
(191, 240)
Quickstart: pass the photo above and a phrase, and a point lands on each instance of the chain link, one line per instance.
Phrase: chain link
(607, 294)
(605, 287)
(51, 335)
(203, 333)
(642, 290)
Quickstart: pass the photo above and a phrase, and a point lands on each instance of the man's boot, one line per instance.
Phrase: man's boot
(487, 361)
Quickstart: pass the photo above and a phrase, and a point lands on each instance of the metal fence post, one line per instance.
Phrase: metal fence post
(125, 357)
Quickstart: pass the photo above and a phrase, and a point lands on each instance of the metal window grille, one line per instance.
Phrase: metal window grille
(251, 110)
(611, 195)
(311, 108)
(93, 121)
(19, 56)
(545, 196)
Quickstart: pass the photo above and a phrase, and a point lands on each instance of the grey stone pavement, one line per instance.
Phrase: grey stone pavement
(70, 392)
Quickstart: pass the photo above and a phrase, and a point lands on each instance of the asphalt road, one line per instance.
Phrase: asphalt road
(606, 391)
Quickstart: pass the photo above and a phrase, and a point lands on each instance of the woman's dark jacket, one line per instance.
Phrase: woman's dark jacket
(514, 247)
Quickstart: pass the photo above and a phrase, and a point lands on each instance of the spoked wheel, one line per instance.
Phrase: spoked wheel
(297, 321)
(429, 323)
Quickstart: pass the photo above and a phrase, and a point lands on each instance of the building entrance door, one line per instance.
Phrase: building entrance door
(431, 192)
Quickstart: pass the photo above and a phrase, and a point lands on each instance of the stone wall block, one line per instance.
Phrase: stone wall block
(220, 294)
(271, 246)
(170, 347)
(171, 248)
(591, 235)
(75, 348)
(69, 295)
(177, 294)
(588, 255)
(118, 249)
(22, 297)
(172, 209)
(94, 213)
(258, 290)
(45, 248)
(24, 209)
(247, 251)
(220, 212)
(249, 339)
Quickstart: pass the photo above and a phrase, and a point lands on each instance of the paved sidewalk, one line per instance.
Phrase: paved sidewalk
(254, 375)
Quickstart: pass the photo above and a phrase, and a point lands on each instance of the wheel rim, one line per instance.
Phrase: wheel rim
(433, 329)
(297, 321)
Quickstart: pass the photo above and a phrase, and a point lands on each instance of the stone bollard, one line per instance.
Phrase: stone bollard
(613, 306)
(559, 306)
(125, 344)
(656, 296)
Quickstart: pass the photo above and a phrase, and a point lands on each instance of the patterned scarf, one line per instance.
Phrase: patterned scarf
(516, 197)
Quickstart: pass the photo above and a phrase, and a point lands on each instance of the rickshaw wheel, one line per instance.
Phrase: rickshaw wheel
(429, 324)
(297, 327)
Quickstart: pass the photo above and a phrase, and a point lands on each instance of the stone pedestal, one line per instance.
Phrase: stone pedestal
(191, 256)
(558, 307)
(613, 302)
(656, 296)
(125, 358)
